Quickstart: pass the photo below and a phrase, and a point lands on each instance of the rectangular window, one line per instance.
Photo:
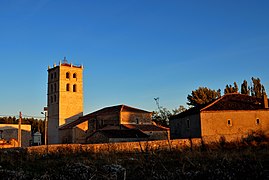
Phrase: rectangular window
(257, 121)
(67, 87)
(229, 122)
(188, 124)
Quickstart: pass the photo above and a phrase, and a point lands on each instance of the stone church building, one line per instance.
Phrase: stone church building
(65, 97)
(232, 116)
(66, 123)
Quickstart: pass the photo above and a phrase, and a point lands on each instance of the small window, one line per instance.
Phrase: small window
(74, 88)
(67, 87)
(55, 87)
(54, 98)
(188, 124)
(55, 76)
(74, 75)
(137, 121)
(67, 75)
(257, 121)
(51, 88)
(51, 99)
(229, 122)
(51, 76)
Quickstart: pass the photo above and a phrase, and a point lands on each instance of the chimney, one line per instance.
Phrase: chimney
(265, 101)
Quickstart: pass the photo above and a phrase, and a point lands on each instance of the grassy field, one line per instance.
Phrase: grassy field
(248, 159)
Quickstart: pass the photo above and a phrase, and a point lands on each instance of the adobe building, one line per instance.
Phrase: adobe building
(64, 98)
(232, 116)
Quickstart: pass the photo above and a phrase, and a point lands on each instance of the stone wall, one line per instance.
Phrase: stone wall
(97, 137)
(80, 133)
(130, 147)
(215, 124)
(135, 118)
(186, 127)
(64, 106)
(157, 135)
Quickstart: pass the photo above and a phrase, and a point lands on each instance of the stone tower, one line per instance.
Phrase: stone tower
(65, 98)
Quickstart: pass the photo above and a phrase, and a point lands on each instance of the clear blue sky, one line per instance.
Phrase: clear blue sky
(132, 51)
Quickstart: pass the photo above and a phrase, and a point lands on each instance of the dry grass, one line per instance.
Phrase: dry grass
(247, 159)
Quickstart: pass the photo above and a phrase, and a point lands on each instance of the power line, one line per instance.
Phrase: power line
(23, 115)
(35, 117)
(17, 116)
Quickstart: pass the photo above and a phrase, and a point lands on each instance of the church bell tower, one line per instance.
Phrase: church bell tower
(64, 98)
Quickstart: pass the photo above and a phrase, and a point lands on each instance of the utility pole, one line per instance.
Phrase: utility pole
(19, 130)
(46, 128)
(45, 112)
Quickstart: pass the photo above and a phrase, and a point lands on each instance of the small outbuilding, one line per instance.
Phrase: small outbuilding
(37, 139)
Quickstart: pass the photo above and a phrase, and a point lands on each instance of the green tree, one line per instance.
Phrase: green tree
(161, 117)
(257, 89)
(231, 89)
(245, 89)
(202, 95)
(178, 110)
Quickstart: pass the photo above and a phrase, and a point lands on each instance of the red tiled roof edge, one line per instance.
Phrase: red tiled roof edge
(214, 102)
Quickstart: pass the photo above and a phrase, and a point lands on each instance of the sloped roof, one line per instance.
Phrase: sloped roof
(145, 127)
(236, 102)
(105, 111)
(233, 101)
(191, 111)
(73, 123)
(121, 133)
(114, 109)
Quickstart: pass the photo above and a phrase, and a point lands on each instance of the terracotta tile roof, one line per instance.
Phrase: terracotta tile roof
(236, 102)
(145, 127)
(105, 111)
(123, 133)
(233, 101)
(115, 109)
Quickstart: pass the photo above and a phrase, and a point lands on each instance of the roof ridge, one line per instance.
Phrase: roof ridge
(225, 95)
(214, 102)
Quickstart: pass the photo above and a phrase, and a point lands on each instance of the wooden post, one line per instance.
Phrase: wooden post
(46, 129)
(19, 130)
(46, 125)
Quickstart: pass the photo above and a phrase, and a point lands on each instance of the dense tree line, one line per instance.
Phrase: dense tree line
(204, 95)
(255, 89)
(37, 125)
